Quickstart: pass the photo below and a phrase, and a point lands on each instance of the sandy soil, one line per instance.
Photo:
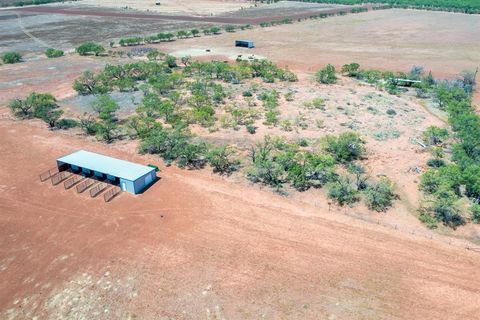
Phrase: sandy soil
(44, 75)
(197, 7)
(285, 8)
(388, 39)
(34, 32)
(242, 17)
(183, 250)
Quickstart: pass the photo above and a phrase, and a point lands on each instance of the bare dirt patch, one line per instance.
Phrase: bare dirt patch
(285, 9)
(198, 7)
(44, 75)
(183, 250)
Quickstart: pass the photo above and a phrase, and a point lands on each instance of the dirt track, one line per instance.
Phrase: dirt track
(197, 247)
(226, 20)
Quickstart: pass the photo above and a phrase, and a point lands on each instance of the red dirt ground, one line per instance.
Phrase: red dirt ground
(195, 246)
(45, 75)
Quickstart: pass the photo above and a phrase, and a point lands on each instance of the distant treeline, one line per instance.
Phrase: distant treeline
(9, 3)
(464, 6)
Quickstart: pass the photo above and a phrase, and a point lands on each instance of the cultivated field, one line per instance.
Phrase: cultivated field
(201, 245)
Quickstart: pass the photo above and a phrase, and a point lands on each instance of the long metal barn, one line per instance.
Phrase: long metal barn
(131, 177)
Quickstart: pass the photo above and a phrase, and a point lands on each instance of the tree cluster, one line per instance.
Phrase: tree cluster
(276, 163)
(11, 57)
(388, 80)
(28, 3)
(37, 105)
(326, 75)
(170, 36)
(235, 73)
(447, 182)
(90, 48)
(53, 53)
(464, 6)
(178, 145)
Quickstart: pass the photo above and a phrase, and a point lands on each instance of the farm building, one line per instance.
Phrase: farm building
(129, 176)
(244, 43)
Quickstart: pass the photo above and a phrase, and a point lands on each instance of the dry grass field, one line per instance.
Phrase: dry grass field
(55, 76)
(33, 32)
(198, 7)
(197, 245)
(390, 40)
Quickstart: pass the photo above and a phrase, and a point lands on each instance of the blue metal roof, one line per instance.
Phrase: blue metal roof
(108, 165)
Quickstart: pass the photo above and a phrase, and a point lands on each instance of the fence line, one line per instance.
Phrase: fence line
(6, 116)
(72, 181)
(59, 177)
(464, 244)
(112, 193)
(84, 185)
(48, 174)
(97, 189)
(45, 176)
(81, 183)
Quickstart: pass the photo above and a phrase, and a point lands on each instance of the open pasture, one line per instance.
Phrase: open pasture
(387, 39)
(34, 32)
